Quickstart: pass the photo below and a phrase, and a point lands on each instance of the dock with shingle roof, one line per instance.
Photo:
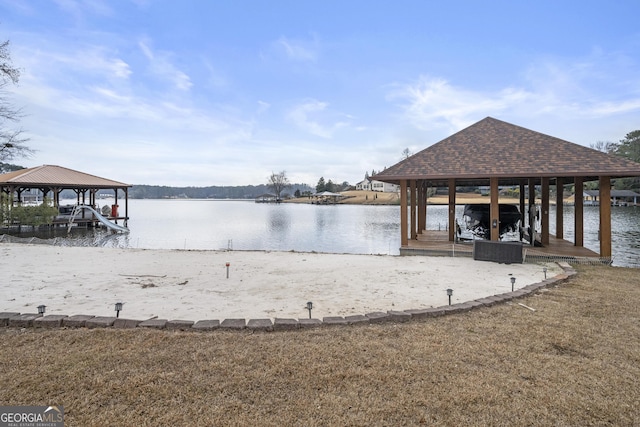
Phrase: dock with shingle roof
(51, 179)
(495, 153)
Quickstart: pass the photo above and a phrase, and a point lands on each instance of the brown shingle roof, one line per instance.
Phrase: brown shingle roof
(57, 176)
(493, 148)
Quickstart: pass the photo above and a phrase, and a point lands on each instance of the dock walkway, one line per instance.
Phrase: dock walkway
(436, 243)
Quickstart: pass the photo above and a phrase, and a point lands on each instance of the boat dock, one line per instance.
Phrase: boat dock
(436, 243)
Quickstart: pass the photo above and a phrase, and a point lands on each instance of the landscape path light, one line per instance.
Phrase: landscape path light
(41, 309)
(118, 308)
(513, 282)
(309, 307)
(449, 293)
(228, 264)
(544, 270)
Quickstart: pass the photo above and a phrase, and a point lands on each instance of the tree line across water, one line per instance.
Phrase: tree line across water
(212, 192)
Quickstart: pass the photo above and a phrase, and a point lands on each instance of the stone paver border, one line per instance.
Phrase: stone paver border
(30, 320)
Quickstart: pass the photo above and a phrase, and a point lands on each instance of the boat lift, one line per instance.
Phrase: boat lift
(103, 220)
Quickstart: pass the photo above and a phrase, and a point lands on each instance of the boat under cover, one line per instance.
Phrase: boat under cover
(478, 219)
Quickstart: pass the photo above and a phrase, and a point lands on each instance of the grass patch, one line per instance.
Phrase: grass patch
(574, 361)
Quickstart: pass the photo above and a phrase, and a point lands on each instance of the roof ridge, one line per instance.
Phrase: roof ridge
(77, 171)
(495, 148)
(65, 176)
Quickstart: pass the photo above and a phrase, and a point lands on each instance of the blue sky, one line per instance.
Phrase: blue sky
(197, 93)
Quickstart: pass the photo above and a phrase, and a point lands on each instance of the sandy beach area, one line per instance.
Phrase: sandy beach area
(193, 285)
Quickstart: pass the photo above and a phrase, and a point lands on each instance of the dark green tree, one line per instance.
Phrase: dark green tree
(33, 216)
(7, 167)
(629, 147)
(321, 186)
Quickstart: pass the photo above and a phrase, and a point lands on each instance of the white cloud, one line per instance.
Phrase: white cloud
(299, 115)
(23, 8)
(298, 50)
(433, 103)
(612, 108)
(120, 68)
(307, 116)
(161, 65)
(263, 106)
(586, 87)
(215, 78)
(101, 62)
(565, 90)
(77, 8)
(66, 66)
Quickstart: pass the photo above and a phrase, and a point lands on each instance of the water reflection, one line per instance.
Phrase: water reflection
(279, 219)
(325, 216)
(60, 236)
(243, 225)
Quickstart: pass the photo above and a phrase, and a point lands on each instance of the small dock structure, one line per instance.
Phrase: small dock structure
(268, 198)
(51, 180)
(326, 198)
(618, 198)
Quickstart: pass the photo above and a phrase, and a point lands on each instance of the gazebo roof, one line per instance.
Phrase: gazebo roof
(327, 194)
(56, 176)
(493, 148)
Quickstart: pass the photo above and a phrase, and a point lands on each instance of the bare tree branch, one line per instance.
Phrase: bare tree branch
(12, 141)
(7, 71)
(278, 182)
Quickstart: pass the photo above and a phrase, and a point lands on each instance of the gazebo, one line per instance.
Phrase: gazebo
(494, 153)
(54, 179)
(326, 197)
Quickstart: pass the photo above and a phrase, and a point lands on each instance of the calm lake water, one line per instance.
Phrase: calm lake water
(357, 229)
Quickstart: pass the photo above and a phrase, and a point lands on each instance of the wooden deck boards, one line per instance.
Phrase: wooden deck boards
(433, 242)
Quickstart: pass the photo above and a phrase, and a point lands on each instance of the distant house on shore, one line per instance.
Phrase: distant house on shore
(373, 185)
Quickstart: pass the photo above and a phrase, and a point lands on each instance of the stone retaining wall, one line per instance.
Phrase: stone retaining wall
(28, 320)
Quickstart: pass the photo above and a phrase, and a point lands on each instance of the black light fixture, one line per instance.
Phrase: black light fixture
(513, 282)
(118, 308)
(41, 309)
(544, 270)
(449, 293)
(309, 307)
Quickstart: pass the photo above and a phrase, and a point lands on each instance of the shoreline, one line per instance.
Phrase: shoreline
(368, 197)
(192, 284)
